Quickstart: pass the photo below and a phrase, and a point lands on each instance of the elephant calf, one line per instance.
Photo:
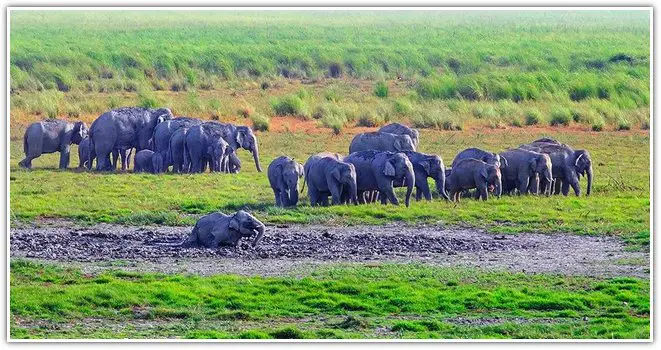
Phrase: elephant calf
(283, 173)
(50, 136)
(149, 161)
(485, 156)
(326, 174)
(474, 173)
(218, 229)
(426, 166)
(523, 170)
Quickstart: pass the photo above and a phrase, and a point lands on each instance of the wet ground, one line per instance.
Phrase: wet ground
(288, 249)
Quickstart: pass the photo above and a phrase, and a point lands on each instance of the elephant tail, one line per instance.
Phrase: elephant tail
(25, 143)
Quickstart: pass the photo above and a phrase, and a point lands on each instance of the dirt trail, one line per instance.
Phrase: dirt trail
(288, 249)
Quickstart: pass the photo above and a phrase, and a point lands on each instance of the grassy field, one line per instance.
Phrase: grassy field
(387, 301)
(437, 69)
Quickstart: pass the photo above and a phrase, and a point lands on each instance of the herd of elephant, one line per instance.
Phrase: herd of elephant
(382, 160)
(377, 163)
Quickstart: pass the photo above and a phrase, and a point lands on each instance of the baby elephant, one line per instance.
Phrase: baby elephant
(283, 174)
(473, 173)
(149, 161)
(217, 229)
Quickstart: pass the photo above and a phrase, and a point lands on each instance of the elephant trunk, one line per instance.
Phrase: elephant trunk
(353, 192)
(498, 187)
(293, 196)
(589, 171)
(440, 185)
(255, 156)
(260, 234)
(410, 183)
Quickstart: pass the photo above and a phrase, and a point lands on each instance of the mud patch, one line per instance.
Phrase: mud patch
(292, 248)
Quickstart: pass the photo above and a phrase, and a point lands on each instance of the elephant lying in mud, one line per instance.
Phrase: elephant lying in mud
(50, 136)
(473, 173)
(218, 229)
(283, 174)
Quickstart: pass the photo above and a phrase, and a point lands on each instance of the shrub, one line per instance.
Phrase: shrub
(426, 119)
(484, 111)
(214, 107)
(332, 95)
(260, 122)
(457, 106)
(516, 122)
(506, 108)
(623, 124)
(598, 124)
(289, 105)
(443, 87)
(403, 106)
(245, 111)
(645, 124)
(381, 89)
(335, 122)
(369, 118)
(327, 109)
(560, 116)
(335, 70)
(533, 117)
(147, 100)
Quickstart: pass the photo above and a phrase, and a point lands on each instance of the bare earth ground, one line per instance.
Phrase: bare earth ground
(295, 249)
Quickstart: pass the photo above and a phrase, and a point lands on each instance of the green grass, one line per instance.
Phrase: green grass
(619, 205)
(341, 301)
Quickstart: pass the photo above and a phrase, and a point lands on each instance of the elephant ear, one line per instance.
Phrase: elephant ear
(336, 174)
(427, 166)
(234, 223)
(239, 138)
(389, 169)
(533, 163)
(398, 145)
(503, 162)
(484, 173)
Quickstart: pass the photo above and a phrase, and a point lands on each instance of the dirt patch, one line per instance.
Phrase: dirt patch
(288, 249)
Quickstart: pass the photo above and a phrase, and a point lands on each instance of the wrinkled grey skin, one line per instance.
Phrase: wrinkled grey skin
(568, 165)
(164, 131)
(381, 141)
(425, 166)
(283, 174)
(86, 155)
(524, 168)
(177, 151)
(205, 145)
(476, 153)
(401, 129)
(148, 161)
(124, 128)
(233, 161)
(380, 171)
(50, 136)
(326, 174)
(547, 140)
(238, 136)
(473, 173)
(216, 229)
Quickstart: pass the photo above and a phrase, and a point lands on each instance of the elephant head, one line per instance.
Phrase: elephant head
(435, 169)
(542, 166)
(491, 174)
(247, 225)
(399, 167)
(583, 164)
(404, 143)
(345, 174)
(246, 139)
(291, 172)
(498, 160)
(216, 151)
(162, 114)
(79, 132)
(157, 163)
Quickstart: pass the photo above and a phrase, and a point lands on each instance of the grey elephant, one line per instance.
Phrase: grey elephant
(177, 154)
(427, 166)
(86, 155)
(239, 136)
(474, 173)
(401, 129)
(148, 161)
(233, 161)
(485, 156)
(381, 171)
(163, 133)
(216, 229)
(568, 165)
(50, 136)
(524, 169)
(124, 128)
(381, 141)
(284, 173)
(205, 145)
(327, 175)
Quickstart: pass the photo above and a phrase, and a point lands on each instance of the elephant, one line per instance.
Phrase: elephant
(401, 129)
(283, 174)
(474, 173)
(124, 128)
(380, 171)
(216, 229)
(567, 164)
(239, 137)
(476, 153)
(149, 161)
(50, 136)
(524, 168)
(164, 131)
(326, 174)
(86, 155)
(424, 166)
(381, 141)
(177, 154)
(233, 161)
(204, 144)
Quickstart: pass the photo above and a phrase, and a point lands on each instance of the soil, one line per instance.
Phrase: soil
(295, 249)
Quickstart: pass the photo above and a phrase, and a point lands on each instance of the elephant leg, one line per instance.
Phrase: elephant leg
(424, 188)
(278, 200)
(565, 188)
(361, 197)
(522, 184)
(324, 200)
(284, 198)
(336, 194)
(313, 195)
(483, 192)
(64, 157)
(557, 185)
(27, 162)
(383, 198)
